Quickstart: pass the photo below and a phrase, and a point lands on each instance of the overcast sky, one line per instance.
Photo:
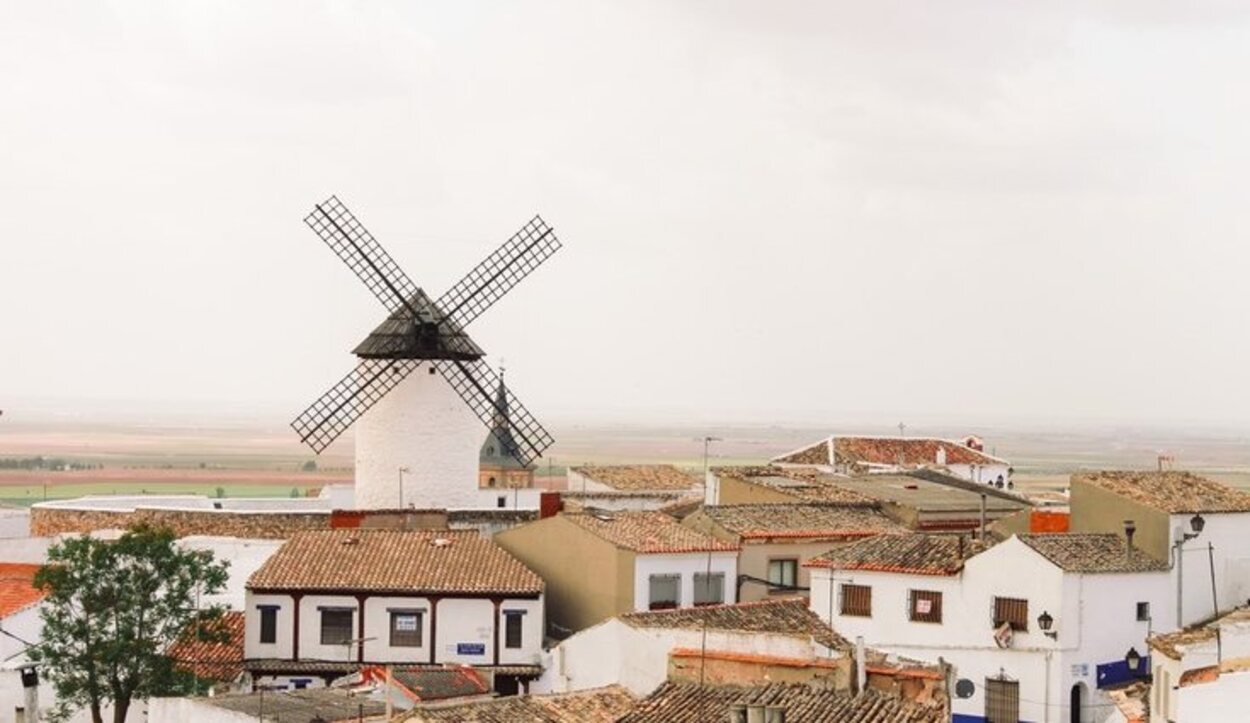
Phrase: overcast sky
(771, 211)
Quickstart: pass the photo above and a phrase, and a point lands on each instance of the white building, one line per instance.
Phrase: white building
(1202, 674)
(965, 458)
(329, 602)
(633, 649)
(1037, 625)
(21, 697)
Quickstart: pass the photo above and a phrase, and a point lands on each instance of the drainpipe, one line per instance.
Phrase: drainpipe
(861, 666)
(1046, 698)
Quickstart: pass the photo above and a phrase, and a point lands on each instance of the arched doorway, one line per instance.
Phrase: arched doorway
(1076, 703)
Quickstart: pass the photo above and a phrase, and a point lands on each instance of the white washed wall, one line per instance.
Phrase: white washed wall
(422, 424)
(1230, 534)
(686, 565)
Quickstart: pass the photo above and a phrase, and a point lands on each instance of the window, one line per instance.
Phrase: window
(268, 623)
(512, 620)
(709, 589)
(1013, 611)
(856, 600)
(336, 626)
(491, 482)
(665, 591)
(924, 606)
(783, 572)
(501, 502)
(1143, 611)
(406, 628)
(1002, 701)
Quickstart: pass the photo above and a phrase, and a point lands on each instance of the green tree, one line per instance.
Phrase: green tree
(309, 466)
(111, 612)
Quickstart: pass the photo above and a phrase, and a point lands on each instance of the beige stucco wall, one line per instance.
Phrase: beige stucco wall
(588, 579)
(735, 491)
(1097, 510)
(754, 557)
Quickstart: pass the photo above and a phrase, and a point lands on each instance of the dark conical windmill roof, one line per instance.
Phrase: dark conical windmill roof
(434, 337)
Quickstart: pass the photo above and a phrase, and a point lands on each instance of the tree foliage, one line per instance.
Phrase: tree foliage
(111, 612)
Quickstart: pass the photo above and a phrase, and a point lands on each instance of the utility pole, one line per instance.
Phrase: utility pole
(402, 470)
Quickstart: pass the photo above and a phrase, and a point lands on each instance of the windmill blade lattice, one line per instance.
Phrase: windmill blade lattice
(328, 417)
(499, 272)
(475, 382)
(362, 253)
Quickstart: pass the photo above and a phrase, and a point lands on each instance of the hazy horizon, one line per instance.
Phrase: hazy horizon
(829, 213)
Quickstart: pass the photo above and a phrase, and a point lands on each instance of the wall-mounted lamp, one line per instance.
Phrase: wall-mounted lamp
(1045, 622)
(1133, 660)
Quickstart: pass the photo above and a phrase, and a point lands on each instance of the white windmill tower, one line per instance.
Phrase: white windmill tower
(420, 389)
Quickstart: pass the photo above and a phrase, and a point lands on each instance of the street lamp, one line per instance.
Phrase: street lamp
(1197, 523)
(402, 470)
(1046, 621)
(1133, 660)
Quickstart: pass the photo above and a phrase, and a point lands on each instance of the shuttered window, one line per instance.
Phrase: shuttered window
(1002, 701)
(709, 589)
(336, 626)
(665, 591)
(924, 606)
(856, 600)
(1013, 611)
(268, 623)
(512, 628)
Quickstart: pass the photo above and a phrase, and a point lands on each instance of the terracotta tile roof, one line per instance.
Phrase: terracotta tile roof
(1173, 644)
(805, 485)
(691, 703)
(444, 561)
(212, 660)
(595, 705)
(916, 554)
(784, 616)
(646, 532)
(1092, 553)
(801, 521)
(1172, 492)
(17, 590)
(1133, 701)
(431, 682)
(635, 477)
(888, 452)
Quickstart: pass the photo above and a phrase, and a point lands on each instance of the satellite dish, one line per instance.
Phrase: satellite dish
(964, 688)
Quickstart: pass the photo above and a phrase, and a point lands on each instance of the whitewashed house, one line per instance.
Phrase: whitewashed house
(330, 601)
(22, 692)
(1202, 674)
(633, 649)
(964, 458)
(1199, 524)
(1035, 623)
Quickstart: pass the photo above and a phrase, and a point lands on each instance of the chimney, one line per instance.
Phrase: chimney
(1129, 529)
(961, 546)
(737, 713)
(774, 714)
(755, 713)
(549, 505)
(861, 665)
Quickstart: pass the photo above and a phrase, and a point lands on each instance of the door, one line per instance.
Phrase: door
(1076, 702)
(1002, 700)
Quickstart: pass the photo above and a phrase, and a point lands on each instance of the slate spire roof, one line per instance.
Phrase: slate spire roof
(499, 449)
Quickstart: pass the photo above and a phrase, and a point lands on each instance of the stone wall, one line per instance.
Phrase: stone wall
(48, 521)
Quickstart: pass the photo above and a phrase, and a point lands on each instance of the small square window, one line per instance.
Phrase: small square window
(512, 633)
(856, 600)
(501, 502)
(709, 589)
(268, 623)
(406, 628)
(336, 626)
(783, 573)
(1143, 611)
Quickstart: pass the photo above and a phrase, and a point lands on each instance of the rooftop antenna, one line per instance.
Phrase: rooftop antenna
(419, 329)
(902, 429)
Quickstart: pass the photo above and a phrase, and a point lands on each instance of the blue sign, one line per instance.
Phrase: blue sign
(1110, 674)
(470, 648)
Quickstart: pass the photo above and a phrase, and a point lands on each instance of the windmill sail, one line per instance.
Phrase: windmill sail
(362, 253)
(333, 412)
(476, 384)
(499, 272)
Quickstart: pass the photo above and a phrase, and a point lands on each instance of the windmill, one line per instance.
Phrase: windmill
(418, 435)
